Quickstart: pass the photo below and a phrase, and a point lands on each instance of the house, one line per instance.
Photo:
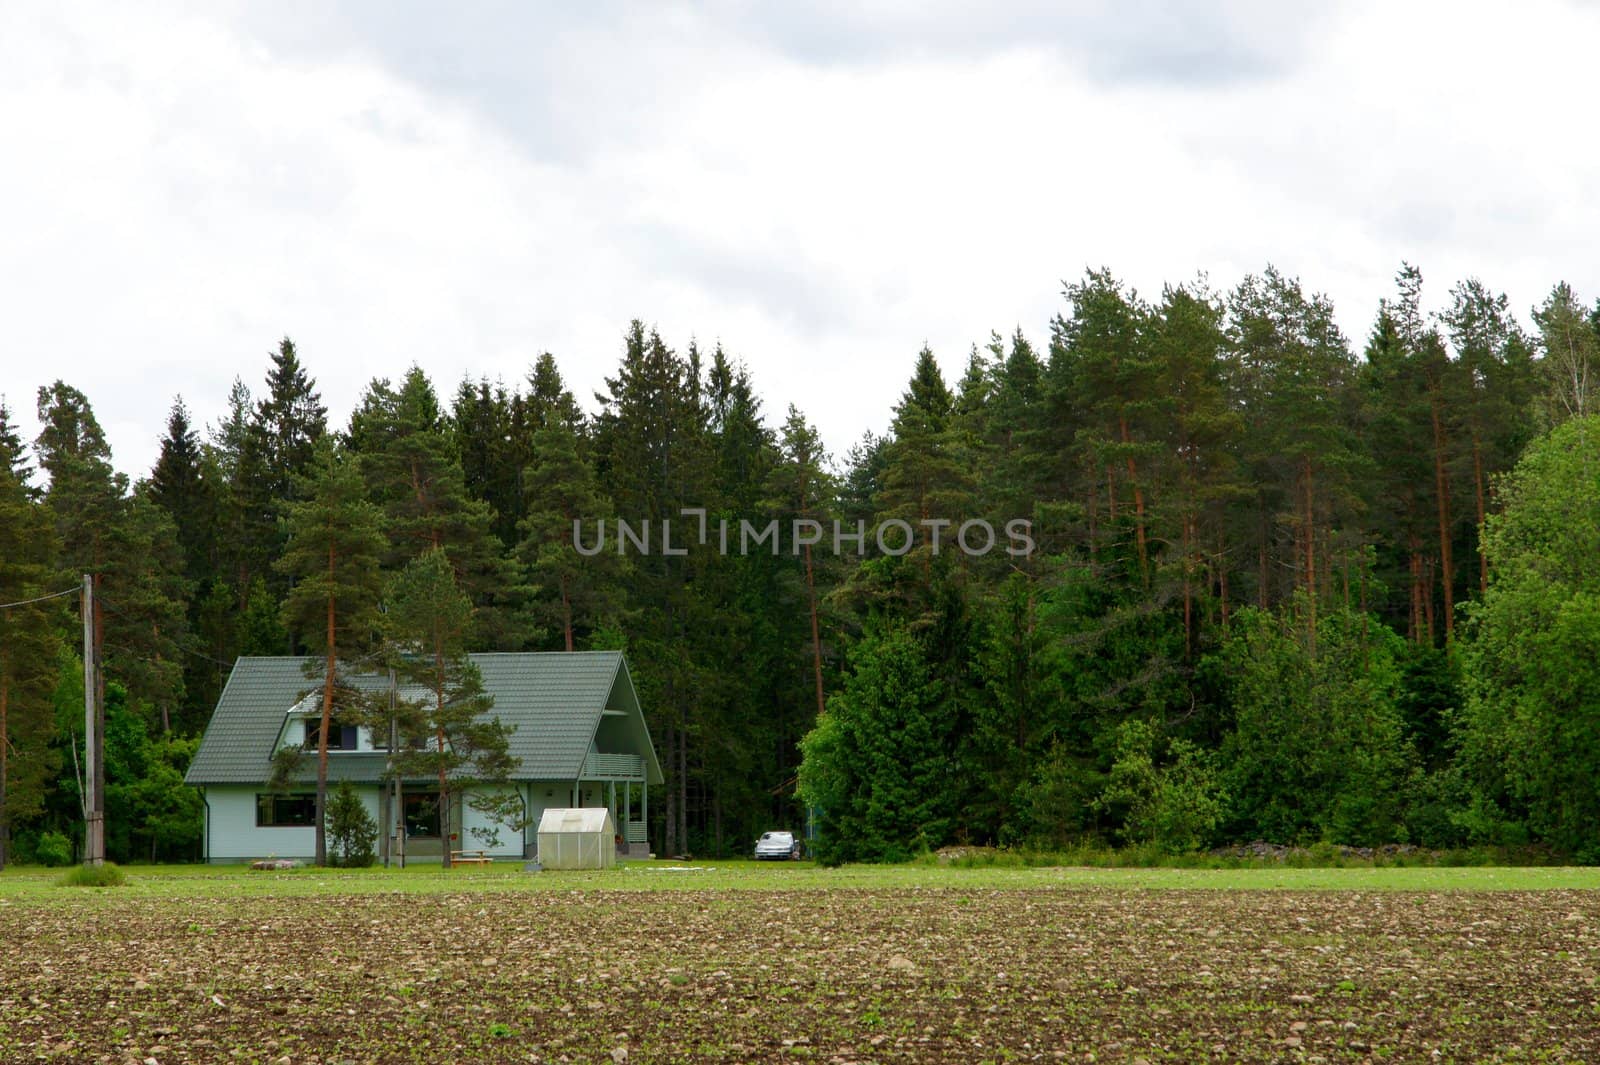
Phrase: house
(579, 738)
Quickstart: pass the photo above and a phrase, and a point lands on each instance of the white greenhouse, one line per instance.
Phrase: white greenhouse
(577, 838)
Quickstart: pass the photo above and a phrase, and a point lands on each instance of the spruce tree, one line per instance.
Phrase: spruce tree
(923, 479)
(653, 459)
(29, 647)
(490, 432)
(572, 592)
(147, 599)
(274, 456)
(179, 486)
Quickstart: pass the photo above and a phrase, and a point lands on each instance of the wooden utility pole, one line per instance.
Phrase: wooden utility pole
(94, 836)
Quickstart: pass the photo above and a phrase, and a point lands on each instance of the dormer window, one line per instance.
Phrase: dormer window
(340, 737)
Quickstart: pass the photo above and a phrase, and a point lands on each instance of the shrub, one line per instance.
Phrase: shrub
(351, 830)
(1172, 808)
(53, 849)
(104, 875)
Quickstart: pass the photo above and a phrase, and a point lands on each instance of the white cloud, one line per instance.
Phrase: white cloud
(823, 197)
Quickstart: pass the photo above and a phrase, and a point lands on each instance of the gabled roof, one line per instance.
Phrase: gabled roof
(554, 701)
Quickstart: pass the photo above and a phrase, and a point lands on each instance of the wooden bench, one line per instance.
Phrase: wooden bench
(470, 858)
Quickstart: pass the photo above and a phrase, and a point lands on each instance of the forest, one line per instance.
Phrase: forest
(1284, 585)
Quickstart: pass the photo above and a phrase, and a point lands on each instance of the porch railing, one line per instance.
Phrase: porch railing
(613, 767)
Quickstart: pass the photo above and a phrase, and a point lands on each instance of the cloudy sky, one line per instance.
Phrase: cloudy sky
(821, 188)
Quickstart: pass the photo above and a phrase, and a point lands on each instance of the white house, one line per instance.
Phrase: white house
(578, 735)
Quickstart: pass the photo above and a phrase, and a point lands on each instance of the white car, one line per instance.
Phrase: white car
(779, 846)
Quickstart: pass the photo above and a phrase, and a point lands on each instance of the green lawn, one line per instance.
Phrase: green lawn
(196, 881)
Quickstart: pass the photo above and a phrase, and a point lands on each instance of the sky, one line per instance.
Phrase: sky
(822, 188)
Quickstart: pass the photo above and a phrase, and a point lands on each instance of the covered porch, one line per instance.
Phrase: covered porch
(622, 780)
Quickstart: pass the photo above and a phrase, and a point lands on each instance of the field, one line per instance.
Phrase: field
(789, 963)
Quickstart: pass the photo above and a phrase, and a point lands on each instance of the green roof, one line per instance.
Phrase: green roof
(553, 701)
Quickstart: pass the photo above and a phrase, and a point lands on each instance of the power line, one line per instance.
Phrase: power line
(40, 599)
(177, 645)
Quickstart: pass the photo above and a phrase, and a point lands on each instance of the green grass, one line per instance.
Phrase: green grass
(95, 876)
(198, 881)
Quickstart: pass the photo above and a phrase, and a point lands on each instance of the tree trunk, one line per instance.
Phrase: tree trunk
(1442, 494)
(1138, 506)
(99, 767)
(683, 790)
(330, 666)
(5, 753)
(1222, 579)
(669, 832)
(1263, 570)
(1427, 598)
(1311, 551)
(1188, 591)
(566, 611)
(1477, 485)
(716, 815)
(816, 632)
(438, 737)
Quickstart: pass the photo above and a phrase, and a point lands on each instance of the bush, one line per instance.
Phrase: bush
(351, 830)
(1173, 807)
(105, 875)
(53, 849)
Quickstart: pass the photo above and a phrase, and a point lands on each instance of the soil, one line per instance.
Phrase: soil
(830, 976)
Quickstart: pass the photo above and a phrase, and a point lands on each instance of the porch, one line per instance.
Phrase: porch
(627, 797)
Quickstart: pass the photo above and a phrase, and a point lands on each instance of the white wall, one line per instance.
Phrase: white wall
(510, 838)
(234, 837)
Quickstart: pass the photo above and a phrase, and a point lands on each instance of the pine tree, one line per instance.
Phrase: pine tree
(87, 497)
(87, 502)
(1201, 435)
(427, 623)
(413, 472)
(335, 542)
(1112, 388)
(1500, 381)
(802, 486)
(1295, 372)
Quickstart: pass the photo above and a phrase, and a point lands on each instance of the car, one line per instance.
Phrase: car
(779, 846)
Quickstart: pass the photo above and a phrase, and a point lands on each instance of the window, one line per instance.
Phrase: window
(285, 811)
(340, 737)
(422, 815)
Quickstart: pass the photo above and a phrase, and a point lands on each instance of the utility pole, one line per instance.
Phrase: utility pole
(94, 836)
